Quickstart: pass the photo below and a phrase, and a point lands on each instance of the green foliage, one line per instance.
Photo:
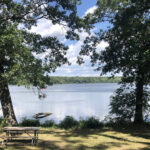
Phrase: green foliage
(128, 49)
(90, 123)
(30, 123)
(117, 122)
(123, 104)
(28, 58)
(72, 80)
(68, 122)
(21, 50)
(48, 123)
(2, 124)
(68, 80)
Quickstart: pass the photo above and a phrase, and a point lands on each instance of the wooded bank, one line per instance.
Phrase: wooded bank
(72, 80)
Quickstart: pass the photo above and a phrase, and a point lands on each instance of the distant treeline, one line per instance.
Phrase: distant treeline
(73, 80)
(69, 80)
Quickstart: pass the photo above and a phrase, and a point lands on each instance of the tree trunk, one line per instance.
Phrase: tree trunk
(139, 102)
(7, 107)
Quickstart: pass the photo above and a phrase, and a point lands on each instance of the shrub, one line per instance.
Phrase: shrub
(116, 122)
(30, 122)
(90, 123)
(48, 123)
(2, 123)
(68, 122)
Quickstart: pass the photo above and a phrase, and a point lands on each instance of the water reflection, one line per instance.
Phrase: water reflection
(77, 100)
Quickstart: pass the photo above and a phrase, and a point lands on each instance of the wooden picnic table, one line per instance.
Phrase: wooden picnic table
(15, 132)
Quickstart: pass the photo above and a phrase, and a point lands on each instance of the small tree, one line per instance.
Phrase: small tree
(20, 50)
(128, 52)
(123, 102)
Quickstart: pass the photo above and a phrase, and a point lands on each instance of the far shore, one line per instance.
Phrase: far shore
(79, 80)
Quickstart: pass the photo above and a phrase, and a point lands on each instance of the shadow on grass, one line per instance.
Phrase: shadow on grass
(136, 131)
(55, 145)
(145, 148)
(52, 146)
(75, 133)
(81, 134)
(16, 145)
(143, 133)
(23, 145)
(70, 141)
(125, 140)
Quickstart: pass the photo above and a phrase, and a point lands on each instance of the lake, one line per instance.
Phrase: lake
(77, 100)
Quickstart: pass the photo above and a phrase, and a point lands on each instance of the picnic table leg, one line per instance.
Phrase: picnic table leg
(3, 142)
(36, 135)
(7, 137)
(33, 141)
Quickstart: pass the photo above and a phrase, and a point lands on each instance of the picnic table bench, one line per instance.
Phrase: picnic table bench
(16, 132)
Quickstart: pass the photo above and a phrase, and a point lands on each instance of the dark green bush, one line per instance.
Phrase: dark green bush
(2, 123)
(90, 123)
(30, 122)
(48, 123)
(1, 120)
(68, 122)
(116, 122)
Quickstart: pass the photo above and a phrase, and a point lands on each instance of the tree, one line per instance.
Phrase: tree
(129, 47)
(20, 50)
(123, 102)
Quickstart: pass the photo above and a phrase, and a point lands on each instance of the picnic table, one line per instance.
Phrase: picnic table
(16, 132)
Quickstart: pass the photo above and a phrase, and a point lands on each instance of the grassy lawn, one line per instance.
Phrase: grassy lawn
(95, 139)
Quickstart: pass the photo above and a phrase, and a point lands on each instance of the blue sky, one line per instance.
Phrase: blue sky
(45, 28)
(86, 4)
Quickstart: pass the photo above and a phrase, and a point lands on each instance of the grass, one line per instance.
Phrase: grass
(87, 139)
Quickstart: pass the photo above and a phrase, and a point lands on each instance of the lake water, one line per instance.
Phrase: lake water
(77, 100)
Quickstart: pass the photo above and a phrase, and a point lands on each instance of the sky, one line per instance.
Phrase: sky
(46, 28)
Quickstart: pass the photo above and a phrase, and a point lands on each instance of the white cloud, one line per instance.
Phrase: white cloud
(102, 45)
(73, 60)
(73, 51)
(82, 35)
(46, 28)
(90, 10)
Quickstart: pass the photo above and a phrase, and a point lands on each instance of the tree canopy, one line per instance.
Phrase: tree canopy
(128, 37)
(21, 50)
